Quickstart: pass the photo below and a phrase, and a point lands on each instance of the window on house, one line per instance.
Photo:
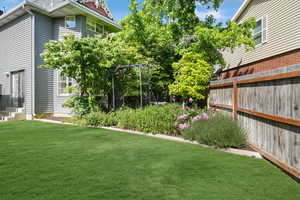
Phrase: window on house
(99, 28)
(95, 27)
(260, 31)
(64, 84)
(70, 21)
(91, 25)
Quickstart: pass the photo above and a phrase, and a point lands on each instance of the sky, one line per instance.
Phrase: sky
(119, 8)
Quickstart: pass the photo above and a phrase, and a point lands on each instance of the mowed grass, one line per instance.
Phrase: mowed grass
(40, 161)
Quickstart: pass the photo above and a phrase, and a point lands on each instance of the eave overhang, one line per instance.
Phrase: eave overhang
(12, 14)
(69, 7)
(240, 10)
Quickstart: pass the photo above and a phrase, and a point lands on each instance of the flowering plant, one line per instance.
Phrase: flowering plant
(190, 116)
(183, 117)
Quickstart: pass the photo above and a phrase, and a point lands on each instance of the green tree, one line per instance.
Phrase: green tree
(165, 30)
(192, 76)
(89, 61)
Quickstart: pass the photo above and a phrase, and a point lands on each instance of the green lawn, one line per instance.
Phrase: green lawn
(41, 161)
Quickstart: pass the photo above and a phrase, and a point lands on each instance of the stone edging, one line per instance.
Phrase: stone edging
(166, 137)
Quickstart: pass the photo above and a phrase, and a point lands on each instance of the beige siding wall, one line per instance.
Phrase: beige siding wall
(283, 30)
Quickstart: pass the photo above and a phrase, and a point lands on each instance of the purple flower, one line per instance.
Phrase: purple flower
(183, 127)
(204, 116)
(183, 117)
(186, 108)
(191, 100)
(195, 119)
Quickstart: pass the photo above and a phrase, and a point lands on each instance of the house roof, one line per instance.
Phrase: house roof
(92, 6)
(58, 11)
(241, 10)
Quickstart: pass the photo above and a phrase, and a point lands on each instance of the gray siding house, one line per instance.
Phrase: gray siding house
(24, 87)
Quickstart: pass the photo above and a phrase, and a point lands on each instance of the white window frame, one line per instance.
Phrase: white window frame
(263, 31)
(74, 17)
(59, 85)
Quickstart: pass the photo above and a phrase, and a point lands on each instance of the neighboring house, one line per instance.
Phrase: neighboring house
(277, 37)
(23, 33)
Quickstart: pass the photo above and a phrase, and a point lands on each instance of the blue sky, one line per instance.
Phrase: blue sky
(120, 8)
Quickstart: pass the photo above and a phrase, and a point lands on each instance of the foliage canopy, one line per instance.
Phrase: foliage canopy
(192, 76)
(165, 30)
(89, 61)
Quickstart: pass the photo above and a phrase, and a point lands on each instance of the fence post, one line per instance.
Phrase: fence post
(235, 100)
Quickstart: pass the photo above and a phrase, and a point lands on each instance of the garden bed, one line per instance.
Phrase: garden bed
(245, 151)
(204, 126)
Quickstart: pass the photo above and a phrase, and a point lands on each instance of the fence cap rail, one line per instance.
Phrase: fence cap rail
(278, 74)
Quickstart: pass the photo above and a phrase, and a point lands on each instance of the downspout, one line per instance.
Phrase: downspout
(33, 63)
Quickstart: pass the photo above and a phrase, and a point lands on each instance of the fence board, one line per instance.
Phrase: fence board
(269, 110)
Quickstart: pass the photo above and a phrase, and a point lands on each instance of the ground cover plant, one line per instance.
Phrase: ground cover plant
(40, 161)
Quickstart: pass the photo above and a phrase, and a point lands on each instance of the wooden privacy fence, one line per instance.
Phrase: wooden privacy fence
(267, 106)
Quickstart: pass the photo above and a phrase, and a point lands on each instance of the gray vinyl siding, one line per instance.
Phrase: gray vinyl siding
(283, 30)
(16, 55)
(44, 91)
(59, 31)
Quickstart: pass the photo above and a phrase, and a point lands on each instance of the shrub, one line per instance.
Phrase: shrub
(100, 119)
(79, 105)
(82, 105)
(151, 119)
(80, 122)
(219, 130)
(183, 122)
(43, 115)
(156, 119)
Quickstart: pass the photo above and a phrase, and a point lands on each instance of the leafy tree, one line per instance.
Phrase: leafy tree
(89, 61)
(165, 30)
(146, 30)
(192, 76)
(211, 42)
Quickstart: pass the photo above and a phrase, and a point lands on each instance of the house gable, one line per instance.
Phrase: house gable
(282, 31)
(241, 10)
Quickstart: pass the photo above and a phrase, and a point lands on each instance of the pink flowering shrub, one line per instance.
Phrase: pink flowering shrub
(183, 117)
(183, 127)
(203, 116)
(191, 116)
(186, 108)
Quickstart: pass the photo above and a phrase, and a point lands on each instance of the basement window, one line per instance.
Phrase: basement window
(70, 21)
